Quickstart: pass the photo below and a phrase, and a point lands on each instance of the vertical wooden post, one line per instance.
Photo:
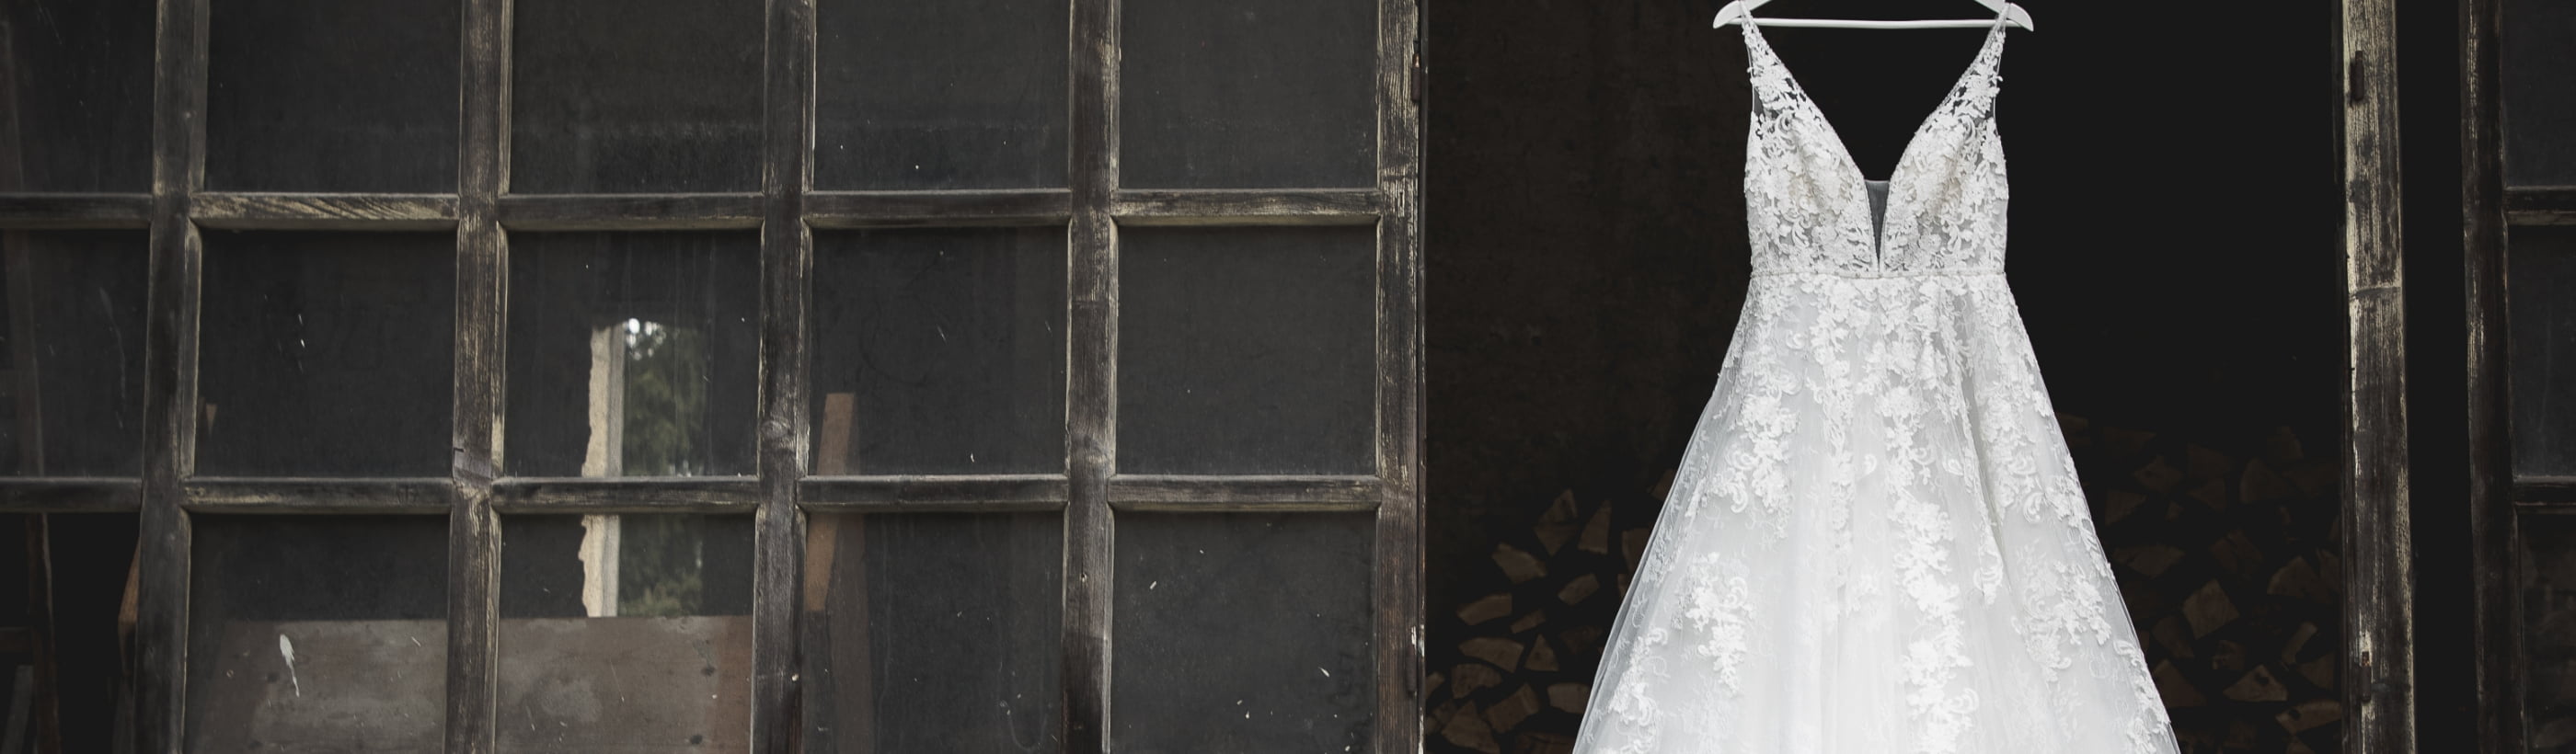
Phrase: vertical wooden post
(786, 267)
(1396, 568)
(2379, 677)
(2496, 638)
(482, 322)
(1091, 378)
(170, 374)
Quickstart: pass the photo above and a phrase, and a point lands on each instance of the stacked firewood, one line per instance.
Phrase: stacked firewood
(1522, 676)
(2225, 559)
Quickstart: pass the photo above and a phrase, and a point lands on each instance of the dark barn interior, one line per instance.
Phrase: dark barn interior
(2174, 253)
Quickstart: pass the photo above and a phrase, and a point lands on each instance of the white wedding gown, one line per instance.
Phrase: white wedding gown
(1876, 542)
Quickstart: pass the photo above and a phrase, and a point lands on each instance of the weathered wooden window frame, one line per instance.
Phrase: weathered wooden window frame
(785, 211)
(2499, 497)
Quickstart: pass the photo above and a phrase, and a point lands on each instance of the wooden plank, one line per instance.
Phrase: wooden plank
(1091, 377)
(71, 495)
(630, 211)
(862, 209)
(26, 210)
(311, 495)
(627, 495)
(1269, 493)
(1396, 568)
(169, 375)
(786, 266)
(637, 684)
(998, 492)
(2379, 685)
(482, 296)
(2496, 635)
(324, 211)
(2532, 205)
(1241, 207)
(2544, 491)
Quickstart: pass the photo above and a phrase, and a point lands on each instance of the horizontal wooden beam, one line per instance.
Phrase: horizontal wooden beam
(2540, 205)
(1242, 207)
(71, 495)
(319, 495)
(324, 211)
(627, 495)
(630, 211)
(1216, 494)
(865, 209)
(999, 492)
(2554, 491)
(75, 210)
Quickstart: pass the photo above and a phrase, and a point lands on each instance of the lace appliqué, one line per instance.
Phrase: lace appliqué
(1876, 516)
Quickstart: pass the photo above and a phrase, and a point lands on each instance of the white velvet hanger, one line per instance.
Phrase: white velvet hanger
(1741, 11)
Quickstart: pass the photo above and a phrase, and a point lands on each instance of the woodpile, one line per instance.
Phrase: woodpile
(2225, 559)
(1517, 681)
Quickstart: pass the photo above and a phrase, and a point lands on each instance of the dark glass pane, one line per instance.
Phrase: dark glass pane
(326, 354)
(626, 632)
(2543, 349)
(78, 94)
(933, 632)
(331, 95)
(72, 607)
(939, 351)
(317, 633)
(635, 95)
(1253, 94)
(2549, 626)
(2539, 97)
(71, 340)
(633, 354)
(941, 95)
(1242, 633)
(1246, 351)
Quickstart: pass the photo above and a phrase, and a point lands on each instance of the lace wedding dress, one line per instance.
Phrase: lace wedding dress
(1876, 542)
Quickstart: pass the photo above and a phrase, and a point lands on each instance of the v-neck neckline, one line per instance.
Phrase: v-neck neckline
(1878, 222)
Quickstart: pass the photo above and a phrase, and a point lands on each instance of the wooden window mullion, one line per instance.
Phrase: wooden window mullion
(786, 263)
(170, 374)
(1091, 382)
(1396, 569)
(482, 285)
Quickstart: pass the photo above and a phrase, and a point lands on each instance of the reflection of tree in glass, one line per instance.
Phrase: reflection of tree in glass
(660, 557)
(666, 398)
(658, 566)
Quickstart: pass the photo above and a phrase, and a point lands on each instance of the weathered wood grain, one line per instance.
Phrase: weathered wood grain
(786, 264)
(1000, 492)
(1091, 378)
(1245, 493)
(482, 288)
(1396, 572)
(1249, 207)
(630, 211)
(318, 495)
(627, 495)
(2379, 687)
(2534, 205)
(323, 211)
(170, 375)
(71, 495)
(2544, 492)
(63, 211)
(864, 209)
(2485, 209)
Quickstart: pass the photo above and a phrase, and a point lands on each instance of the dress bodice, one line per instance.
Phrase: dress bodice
(1808, 208)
